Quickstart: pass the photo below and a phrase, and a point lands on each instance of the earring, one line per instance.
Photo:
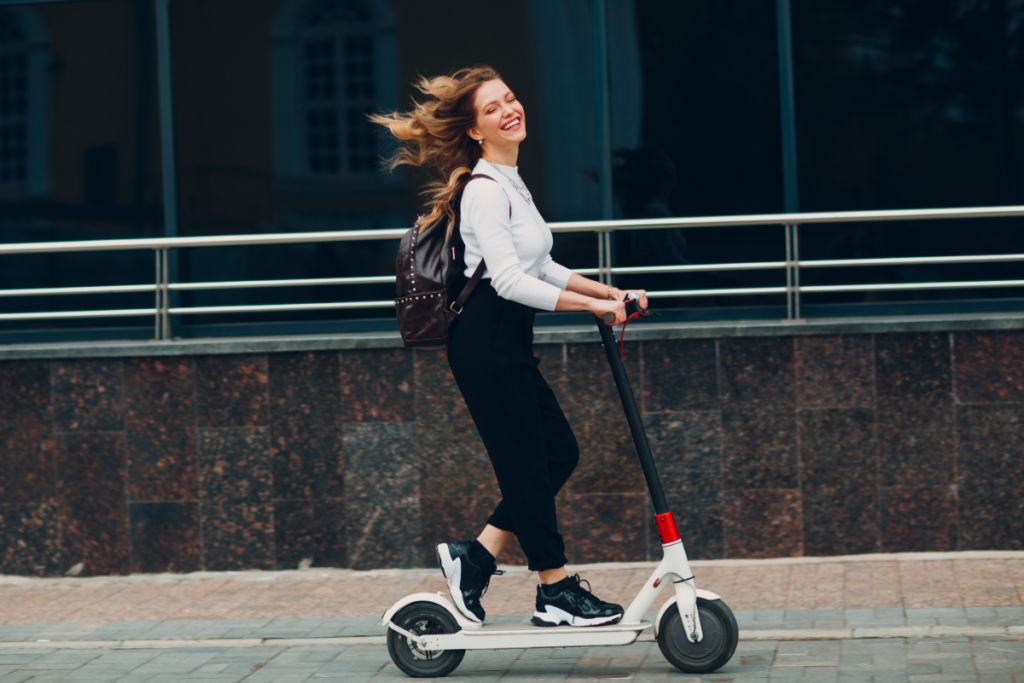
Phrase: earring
(480, 142)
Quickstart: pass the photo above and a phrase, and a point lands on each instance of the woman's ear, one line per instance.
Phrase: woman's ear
(475, 134)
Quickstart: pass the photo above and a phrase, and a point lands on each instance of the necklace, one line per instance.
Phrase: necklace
(517, 184)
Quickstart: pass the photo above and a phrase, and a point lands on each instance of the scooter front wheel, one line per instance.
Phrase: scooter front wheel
(710, 654)
(421, 618)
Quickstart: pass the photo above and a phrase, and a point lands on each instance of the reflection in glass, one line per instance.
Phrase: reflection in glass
(13, 102)
(272, 134)
(908, 105)
(900, 104)
(334, 63)
(24, 105)
(706, 142)
(79, 153)
(905, 104)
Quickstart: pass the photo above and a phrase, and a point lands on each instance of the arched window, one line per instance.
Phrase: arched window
(24, 92)
(335, 61)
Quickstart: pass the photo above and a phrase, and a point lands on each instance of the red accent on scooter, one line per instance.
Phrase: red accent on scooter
(657, 582)
(622, 340)
(666, 524)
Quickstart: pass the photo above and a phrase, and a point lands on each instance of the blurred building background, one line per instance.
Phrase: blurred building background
(873, 425)
(898, 104)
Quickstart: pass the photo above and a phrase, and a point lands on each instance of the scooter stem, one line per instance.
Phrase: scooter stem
(636, 426)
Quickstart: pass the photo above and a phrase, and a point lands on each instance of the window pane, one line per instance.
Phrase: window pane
(908, 105)
(271, 98)
(79, 154)
(696, 132)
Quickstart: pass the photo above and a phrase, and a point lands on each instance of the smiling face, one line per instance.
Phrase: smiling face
(500, 119)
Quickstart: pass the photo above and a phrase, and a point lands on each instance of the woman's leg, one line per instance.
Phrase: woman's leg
(492, 362)
(552, 576)
(533, 452)
(563, 455)
(494, 539)
(513, 432)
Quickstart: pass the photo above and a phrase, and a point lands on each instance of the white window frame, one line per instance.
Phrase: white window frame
(288, 31)
(37, 51)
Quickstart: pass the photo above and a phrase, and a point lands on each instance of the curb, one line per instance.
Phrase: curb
(646, 637)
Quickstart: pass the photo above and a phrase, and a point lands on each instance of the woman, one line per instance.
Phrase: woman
(473, 123)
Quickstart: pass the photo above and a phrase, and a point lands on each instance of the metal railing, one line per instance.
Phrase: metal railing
(161, 288)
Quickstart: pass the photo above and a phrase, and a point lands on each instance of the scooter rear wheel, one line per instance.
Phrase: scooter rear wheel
(420, 618)
(721, 635)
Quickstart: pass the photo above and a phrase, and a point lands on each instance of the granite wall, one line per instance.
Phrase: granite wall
(768, 446)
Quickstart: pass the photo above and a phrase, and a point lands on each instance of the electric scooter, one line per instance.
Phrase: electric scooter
(696, 631)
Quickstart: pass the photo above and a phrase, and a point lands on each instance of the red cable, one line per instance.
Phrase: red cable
(622, 339)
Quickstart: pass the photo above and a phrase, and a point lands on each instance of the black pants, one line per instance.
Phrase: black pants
(530, 443)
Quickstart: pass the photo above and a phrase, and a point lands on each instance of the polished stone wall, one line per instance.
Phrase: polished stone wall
(768, 446)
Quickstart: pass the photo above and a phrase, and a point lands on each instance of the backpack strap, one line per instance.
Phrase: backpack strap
(460, 301)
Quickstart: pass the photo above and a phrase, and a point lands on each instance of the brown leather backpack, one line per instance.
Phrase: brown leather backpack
(431, 287)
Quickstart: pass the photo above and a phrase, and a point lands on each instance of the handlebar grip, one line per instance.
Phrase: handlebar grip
(632, 306)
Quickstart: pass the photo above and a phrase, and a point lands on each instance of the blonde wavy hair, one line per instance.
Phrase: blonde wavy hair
(434, 135)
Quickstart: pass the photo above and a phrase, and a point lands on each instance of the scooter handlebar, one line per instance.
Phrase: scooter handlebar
(632, 306)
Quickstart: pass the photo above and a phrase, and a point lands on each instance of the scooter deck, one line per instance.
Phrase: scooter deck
(501, 636)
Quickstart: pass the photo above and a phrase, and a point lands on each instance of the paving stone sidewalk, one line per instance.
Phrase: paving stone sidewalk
(979, 660)
(906, 582)
(976, 617)
(74, 630)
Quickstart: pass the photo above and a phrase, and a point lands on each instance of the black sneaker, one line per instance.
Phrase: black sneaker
(568, 602)
(467, 580)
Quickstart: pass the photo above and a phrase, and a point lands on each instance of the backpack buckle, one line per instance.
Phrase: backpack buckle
(453, 309)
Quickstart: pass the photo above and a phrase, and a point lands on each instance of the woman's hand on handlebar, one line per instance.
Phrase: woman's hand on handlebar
(582, 294)
(600, 307)
(639, 294)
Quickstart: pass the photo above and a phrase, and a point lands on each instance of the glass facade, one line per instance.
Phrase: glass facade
(14, 116)
(898, 104)
(270, 105)
(705, 142)
(79, 153)
(909, 105)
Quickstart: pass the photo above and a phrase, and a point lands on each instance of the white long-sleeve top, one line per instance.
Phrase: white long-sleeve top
(517, 248)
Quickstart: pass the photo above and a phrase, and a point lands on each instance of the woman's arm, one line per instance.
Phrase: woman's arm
(582, 285)
(574, 301)
(578, 283)
(582, 294)
(485, 211)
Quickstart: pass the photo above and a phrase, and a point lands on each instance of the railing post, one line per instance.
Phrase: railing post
(157, 279)
(163, 322)
(604, 258)
(789, 272)
(792, 272)
(796, 271)
(167, 295)
(608, 258)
